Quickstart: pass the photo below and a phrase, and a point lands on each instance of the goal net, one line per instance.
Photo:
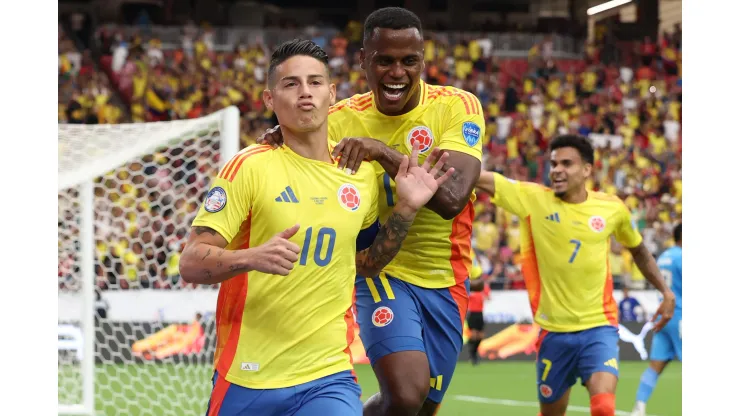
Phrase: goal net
(133, 337)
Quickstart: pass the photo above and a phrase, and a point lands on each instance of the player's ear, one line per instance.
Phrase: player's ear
(267, 98)
(362, 58)
(587, 168)
(332, 94)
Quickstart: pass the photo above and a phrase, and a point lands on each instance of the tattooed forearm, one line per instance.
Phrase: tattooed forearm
(208, 253)
(385, 247)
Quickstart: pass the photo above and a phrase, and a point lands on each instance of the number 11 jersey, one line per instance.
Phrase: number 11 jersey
(565, 253)
(281, 331)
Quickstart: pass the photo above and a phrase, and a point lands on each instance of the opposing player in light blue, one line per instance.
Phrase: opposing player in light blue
(667, 342)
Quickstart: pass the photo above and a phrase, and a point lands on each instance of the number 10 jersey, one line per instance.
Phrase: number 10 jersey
(281, 331)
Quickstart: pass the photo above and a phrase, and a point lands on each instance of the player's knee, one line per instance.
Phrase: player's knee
(407, 399)
(603, 404)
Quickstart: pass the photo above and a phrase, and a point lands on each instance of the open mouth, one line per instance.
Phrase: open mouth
(394, 92)
(559, 181)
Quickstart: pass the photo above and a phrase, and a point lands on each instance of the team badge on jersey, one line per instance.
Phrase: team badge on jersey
(423, 136)
(215, 200)
(349, 197)
(471, 133)
(545, 391)
(597, 223)
(382, 316)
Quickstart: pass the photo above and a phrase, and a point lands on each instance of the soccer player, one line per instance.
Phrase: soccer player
(475, 311)
(425, 288)
(565, 245)
(279, 230)
(667, 343)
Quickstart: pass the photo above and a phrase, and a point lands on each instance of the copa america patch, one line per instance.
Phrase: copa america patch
(471, 133)
(215, 200)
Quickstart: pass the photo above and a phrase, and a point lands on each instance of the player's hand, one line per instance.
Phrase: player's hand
(273, 137)
(665, 310)
(278, 255)
(351, 151)
(416, 185)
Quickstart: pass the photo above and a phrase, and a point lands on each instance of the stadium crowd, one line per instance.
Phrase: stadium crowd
(631, 109)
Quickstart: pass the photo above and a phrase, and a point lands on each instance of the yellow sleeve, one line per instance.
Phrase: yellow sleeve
(230, 198)
(372, 214)
(511, 195)
(335, 122)
(465, 127)
(371, 223)
(626, 231)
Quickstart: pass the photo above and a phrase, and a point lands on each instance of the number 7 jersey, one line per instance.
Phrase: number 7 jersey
(280, 331)
(565, 253)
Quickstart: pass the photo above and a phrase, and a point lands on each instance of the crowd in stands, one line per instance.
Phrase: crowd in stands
(631, 109)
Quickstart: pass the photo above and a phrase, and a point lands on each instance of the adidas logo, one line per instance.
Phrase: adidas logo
(612, 363)
(553, 217)
(287, 196)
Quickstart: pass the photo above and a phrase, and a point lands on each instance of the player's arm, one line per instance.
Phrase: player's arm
(378, 245)
(626, 234)
(205, 258)
(507, 193)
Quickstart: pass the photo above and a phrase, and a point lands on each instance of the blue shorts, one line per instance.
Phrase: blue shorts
(564, 357)
(667, 343)
(397, 316)
(337, 394)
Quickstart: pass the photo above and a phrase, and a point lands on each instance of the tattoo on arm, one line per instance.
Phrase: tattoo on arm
(386, 245)
(201, 230)
(208, 253)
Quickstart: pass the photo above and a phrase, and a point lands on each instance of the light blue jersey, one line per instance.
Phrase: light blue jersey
(670, 267)
(668, 342)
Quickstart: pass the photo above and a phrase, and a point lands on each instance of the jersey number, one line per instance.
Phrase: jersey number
(388, 189)
(548, 365)
(575, 251)
(322, 236)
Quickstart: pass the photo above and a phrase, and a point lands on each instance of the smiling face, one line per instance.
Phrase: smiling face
(568, 171)
(393, 61)
(300, 93)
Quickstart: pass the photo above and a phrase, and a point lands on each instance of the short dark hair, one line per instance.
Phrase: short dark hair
(295, 47)
(395, 18)
(580, 143)
(677, 233)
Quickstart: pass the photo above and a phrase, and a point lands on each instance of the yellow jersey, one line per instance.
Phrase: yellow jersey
(274, 331)
(437, 252)
(565, 253)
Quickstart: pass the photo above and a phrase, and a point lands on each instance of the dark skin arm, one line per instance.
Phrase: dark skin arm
(387, 243)
(649, 268)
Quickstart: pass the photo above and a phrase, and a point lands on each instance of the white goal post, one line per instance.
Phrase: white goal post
(127, 195)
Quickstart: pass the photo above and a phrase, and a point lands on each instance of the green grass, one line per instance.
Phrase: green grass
(501, 388)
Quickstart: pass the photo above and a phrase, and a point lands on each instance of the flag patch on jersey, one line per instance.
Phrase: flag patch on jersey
(423, 136)
(349, 197)
(597, 223)
(471, 133)
(215, 200)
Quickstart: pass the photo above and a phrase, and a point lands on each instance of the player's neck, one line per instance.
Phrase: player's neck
(311, 144)
(576, 197)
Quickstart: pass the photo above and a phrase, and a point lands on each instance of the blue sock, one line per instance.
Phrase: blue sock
(647, 383)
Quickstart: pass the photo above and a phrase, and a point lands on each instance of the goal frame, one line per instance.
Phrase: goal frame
(85, 180)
